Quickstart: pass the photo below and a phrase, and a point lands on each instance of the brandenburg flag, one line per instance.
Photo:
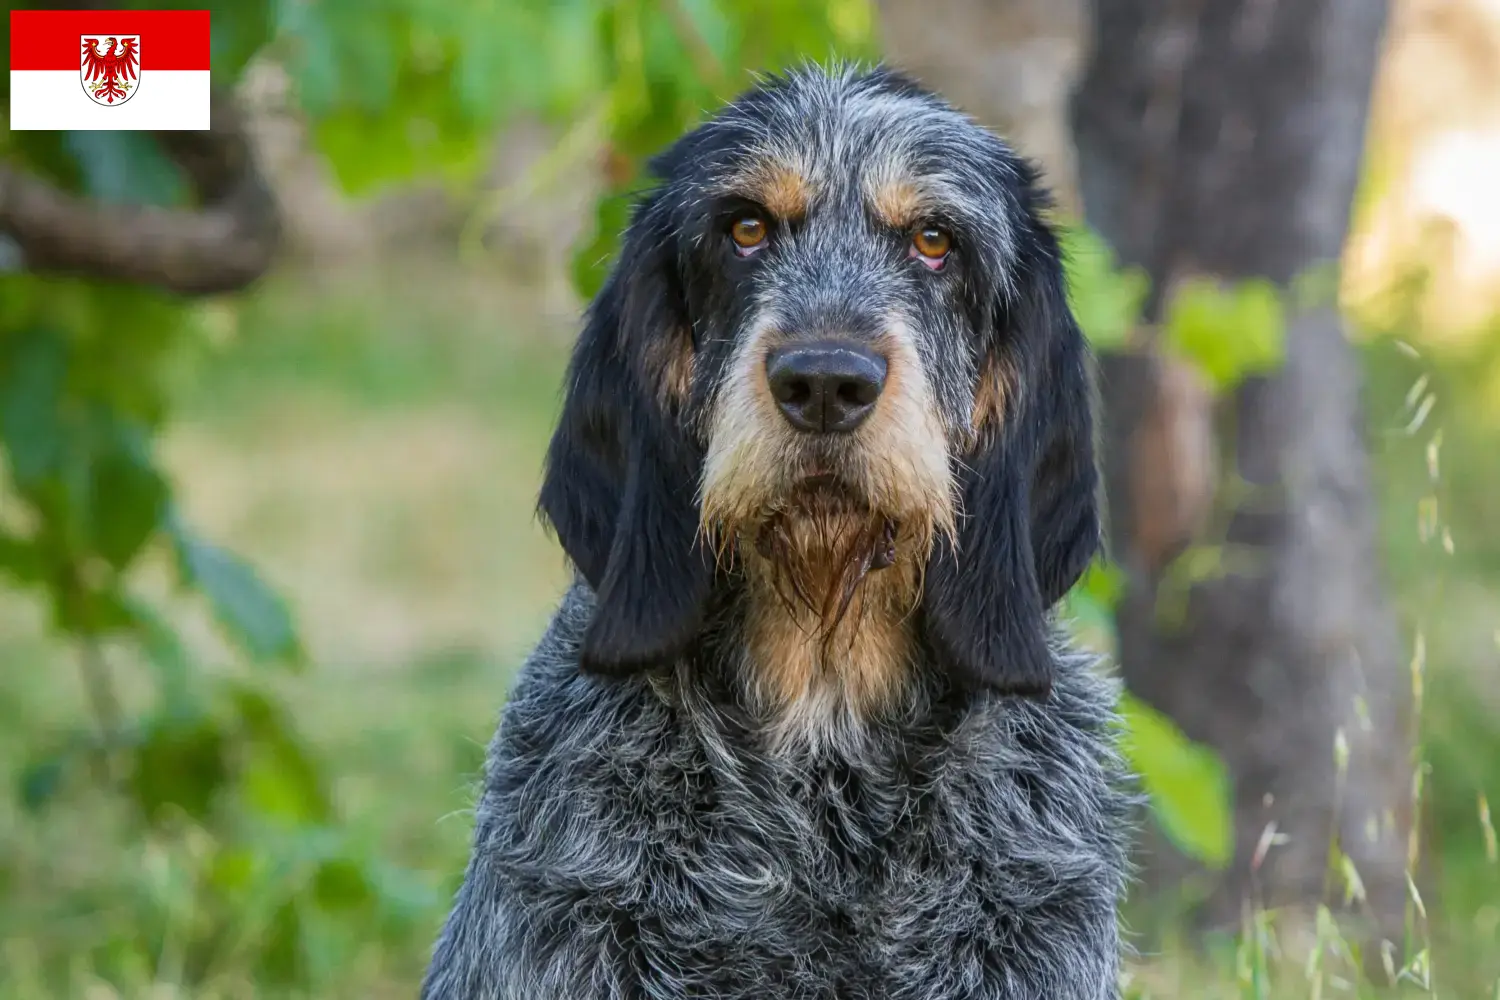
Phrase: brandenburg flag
(109, 69)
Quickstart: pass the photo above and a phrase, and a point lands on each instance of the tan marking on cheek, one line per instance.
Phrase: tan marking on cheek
(991, 394)
(897, 203)
(669, 362)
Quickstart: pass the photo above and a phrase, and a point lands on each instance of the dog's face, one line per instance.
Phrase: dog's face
(837, 341)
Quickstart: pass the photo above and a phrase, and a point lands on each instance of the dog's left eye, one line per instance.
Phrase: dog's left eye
(930, 245)
(749, 234)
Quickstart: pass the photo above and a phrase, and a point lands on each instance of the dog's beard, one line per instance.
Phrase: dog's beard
(831, 577)
(819, 550)
(814, 549)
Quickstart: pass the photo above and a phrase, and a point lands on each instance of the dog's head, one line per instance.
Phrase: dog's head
(837, 338)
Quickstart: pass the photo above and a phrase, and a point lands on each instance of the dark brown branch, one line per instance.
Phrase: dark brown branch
(222, 245)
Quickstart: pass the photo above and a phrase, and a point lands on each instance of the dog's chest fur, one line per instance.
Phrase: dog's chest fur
(633, 842)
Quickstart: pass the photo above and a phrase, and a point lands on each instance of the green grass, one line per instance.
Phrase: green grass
(375, 450)
(1447, 588)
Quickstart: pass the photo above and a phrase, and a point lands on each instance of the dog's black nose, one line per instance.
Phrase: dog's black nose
(825, 387)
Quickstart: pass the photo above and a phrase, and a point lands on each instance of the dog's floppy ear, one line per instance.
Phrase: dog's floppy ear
(1030, 514)
(621, 471)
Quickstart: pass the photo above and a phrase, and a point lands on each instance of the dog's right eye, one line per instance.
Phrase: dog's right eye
(931, 246)
(749, 233)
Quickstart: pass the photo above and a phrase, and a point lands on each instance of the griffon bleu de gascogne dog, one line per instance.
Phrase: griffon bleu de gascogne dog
(804, 727)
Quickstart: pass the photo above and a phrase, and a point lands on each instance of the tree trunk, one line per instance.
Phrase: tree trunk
(1008, 64)
(1224, 138)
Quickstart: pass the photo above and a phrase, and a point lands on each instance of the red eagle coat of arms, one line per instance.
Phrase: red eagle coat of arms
(111, 71)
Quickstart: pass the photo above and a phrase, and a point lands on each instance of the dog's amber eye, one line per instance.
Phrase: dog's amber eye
(749, 232)
(931, 243)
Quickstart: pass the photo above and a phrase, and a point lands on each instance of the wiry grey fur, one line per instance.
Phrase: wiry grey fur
(641, 837)
(632, 842)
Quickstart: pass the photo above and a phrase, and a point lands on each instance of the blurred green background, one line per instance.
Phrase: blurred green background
(268, 560)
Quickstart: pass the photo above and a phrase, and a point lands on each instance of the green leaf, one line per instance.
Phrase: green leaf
(283, 951)
(31, 396)
(1228, 332)
(248, 609)
(22, 559)
(1187, 784)
(1106, 301)
(181, 764)
(280, 780)
(402, 89)
(1103, 583)
(424, 132)
(1090, 604)
(573, 45)
(44, 153)
(342, 886)
(312, 54)
(372, 48)
(239, 28)
(41, 781)
(404, 898)
(233, 871)
(94, 611)
(514, 62)
(592, 260)
(166, 655)
(129, 493)
(281, 783)
(711, 23)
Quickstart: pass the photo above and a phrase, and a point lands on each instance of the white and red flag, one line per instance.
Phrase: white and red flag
(109, 69)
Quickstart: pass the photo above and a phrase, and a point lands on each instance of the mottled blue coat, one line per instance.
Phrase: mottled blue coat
(631, 843)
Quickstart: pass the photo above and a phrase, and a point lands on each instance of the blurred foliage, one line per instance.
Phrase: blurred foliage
(1229, 333)
(1187, 784)
(1106, 299)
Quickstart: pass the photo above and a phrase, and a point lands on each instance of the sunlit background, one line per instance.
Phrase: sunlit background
(268, 559)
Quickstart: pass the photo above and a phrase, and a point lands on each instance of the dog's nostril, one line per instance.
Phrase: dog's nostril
(792, 390)
(825, 386)
(858, 393)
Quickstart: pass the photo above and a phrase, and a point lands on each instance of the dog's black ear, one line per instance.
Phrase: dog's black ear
(622, 472)
(1030, 516)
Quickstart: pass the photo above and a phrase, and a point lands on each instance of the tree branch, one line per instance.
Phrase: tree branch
(221, 246)
(99, 685)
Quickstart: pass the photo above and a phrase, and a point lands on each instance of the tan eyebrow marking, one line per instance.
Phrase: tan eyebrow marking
(900, 204)
(782, 188)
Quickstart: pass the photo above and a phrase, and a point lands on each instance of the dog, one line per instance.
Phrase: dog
(805, 726)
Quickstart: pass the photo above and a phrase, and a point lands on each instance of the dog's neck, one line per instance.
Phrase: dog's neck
(829, 616)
